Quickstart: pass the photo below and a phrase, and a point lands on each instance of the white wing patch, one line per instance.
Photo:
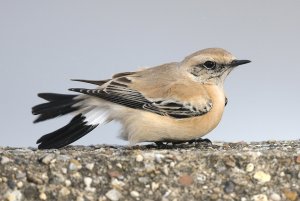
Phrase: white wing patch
(96, 116)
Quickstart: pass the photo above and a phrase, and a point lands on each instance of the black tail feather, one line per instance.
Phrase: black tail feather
(76, 129)
(59, 104)
(55, 96)
(96, 82)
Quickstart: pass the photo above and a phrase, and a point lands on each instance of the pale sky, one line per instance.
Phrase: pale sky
(44, 44)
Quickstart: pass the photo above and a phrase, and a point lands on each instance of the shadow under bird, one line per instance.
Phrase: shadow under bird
(173, 102)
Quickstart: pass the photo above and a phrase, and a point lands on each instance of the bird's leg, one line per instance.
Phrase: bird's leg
(178, 142)
(161, 144)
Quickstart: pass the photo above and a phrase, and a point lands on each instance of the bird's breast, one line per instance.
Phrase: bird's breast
(201, 125)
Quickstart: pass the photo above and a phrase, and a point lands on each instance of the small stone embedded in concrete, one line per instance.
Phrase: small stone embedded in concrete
(77, 176)
(114, 174)
(172, 164)
(229, 187)
(14, 195)
(275, 197)
(260, 197)
(20, 184)
(139, 158)
(4, 160)
(4, 179)
(74, 165)
(90, 166)
(11, 184)
(298, 159)
(166, 170)
(262, 176)
(134, 194)
(149, 168)
(64, 170)
(290, 195)
(20, 175)
(57, 178)
(282, 174)
(229, 161)
(159, 158)
(249, 167)
(144, 180)
(63, 158)
(117, 184)
(10, 197)
(154, 186)
(113, 195)
(185, 180)
(64, 191)
(43, 196)
(68, 182)
(201, 178)
(88, 181)
(33, 178)
(101, 198)
(217, 190)
(47, 158)
(165, 196)
(80, 198)
(119, 165)
(214, 196)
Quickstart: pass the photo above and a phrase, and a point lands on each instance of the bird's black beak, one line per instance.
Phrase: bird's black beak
(235, 63)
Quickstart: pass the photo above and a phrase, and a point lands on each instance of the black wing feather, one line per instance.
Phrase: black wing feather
(133, 99)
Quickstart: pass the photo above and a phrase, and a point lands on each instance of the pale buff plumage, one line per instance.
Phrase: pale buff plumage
(177, 101)
(140, 126)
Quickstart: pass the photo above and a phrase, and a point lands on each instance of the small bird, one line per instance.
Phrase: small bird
(173, 102)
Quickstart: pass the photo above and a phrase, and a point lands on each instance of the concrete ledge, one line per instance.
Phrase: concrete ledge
(223, 171)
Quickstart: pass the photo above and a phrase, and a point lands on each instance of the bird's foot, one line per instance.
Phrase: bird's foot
(200, 140)
(165, 144)
(162, 145)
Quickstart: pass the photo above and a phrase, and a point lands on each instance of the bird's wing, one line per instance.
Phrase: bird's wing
(121, 91)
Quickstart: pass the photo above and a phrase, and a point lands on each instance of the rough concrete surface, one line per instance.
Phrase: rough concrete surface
(258, 171)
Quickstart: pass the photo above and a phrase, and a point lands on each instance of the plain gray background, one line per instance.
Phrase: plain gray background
(43, 44)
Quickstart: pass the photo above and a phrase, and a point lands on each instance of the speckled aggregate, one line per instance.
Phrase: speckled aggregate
(222, 171)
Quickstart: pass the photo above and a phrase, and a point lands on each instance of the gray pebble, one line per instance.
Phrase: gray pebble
(11, 184)
(134, 194)
(275, 197)
(4, 160)
(113, 195)
(46, 159)
(15, 195)
(229, 187)
(74, 165)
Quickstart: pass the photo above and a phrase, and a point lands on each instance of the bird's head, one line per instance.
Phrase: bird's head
(210, 66)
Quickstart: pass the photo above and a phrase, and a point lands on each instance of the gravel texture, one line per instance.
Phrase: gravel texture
(258, 171)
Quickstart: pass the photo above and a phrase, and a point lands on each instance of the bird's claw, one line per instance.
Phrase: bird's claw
(165, 144)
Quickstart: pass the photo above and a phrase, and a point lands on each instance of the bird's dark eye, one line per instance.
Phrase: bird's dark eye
(209, 64)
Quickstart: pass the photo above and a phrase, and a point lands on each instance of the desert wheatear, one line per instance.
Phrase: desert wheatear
(176, 102)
